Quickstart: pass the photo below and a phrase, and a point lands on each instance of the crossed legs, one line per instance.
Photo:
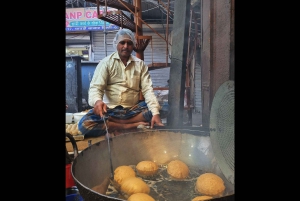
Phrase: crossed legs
(115, 124)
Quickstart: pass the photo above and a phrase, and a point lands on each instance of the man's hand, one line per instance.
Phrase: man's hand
(100, 108)
(156, 120)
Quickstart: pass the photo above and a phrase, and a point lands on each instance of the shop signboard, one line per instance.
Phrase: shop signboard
(85, 19)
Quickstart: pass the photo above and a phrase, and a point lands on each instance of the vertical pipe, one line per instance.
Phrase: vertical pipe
(139, 32)
(98, 14)
(98, 5)
(189, 39)
(138, 22)
(167, 33)
(105, 13)
(92, 46)
(187, 78)
(178, 62)
(135, 19)
(105, 47)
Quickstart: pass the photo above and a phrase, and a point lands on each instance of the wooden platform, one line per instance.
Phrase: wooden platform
(83, 144)
(76, 137)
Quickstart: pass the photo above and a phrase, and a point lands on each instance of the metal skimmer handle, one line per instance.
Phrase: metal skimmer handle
(107, 137)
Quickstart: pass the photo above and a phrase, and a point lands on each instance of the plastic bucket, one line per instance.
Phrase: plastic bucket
(74, 197)
(69, 118)
(69, 179)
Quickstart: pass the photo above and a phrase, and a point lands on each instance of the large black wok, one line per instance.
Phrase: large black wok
(192, 146)
(203, 151)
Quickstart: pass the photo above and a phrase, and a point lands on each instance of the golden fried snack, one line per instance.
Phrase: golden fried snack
(133, 185)
(68, 128)
(123, 172)
(203, 197)
(140, 197)
(74, 129)
(147, 168)
(178, 169)
(210, 184)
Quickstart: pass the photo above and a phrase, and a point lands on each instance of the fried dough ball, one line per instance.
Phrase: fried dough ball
(210, 184)
(133, 185)
(140, 197)
(203, 197)
(178, 169)
(147, 168)
(123, 172)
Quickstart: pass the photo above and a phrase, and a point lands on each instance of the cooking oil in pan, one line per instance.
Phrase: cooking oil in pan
(165, 188)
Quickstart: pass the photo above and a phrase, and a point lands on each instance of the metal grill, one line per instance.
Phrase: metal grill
(222, 128)
(225, 126)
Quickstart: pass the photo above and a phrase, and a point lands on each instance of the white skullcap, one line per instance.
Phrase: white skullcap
(123, 34)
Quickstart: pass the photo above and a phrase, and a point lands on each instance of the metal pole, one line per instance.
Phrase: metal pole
(137, 19)
(105, 48)
(105, 13)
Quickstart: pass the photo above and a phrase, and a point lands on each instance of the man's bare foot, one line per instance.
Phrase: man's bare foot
(143, 123)
(114, 125)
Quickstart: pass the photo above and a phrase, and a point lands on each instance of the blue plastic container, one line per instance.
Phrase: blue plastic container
(74, 197)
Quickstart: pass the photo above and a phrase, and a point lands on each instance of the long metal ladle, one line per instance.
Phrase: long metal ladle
(107, 137)
(102, 188)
